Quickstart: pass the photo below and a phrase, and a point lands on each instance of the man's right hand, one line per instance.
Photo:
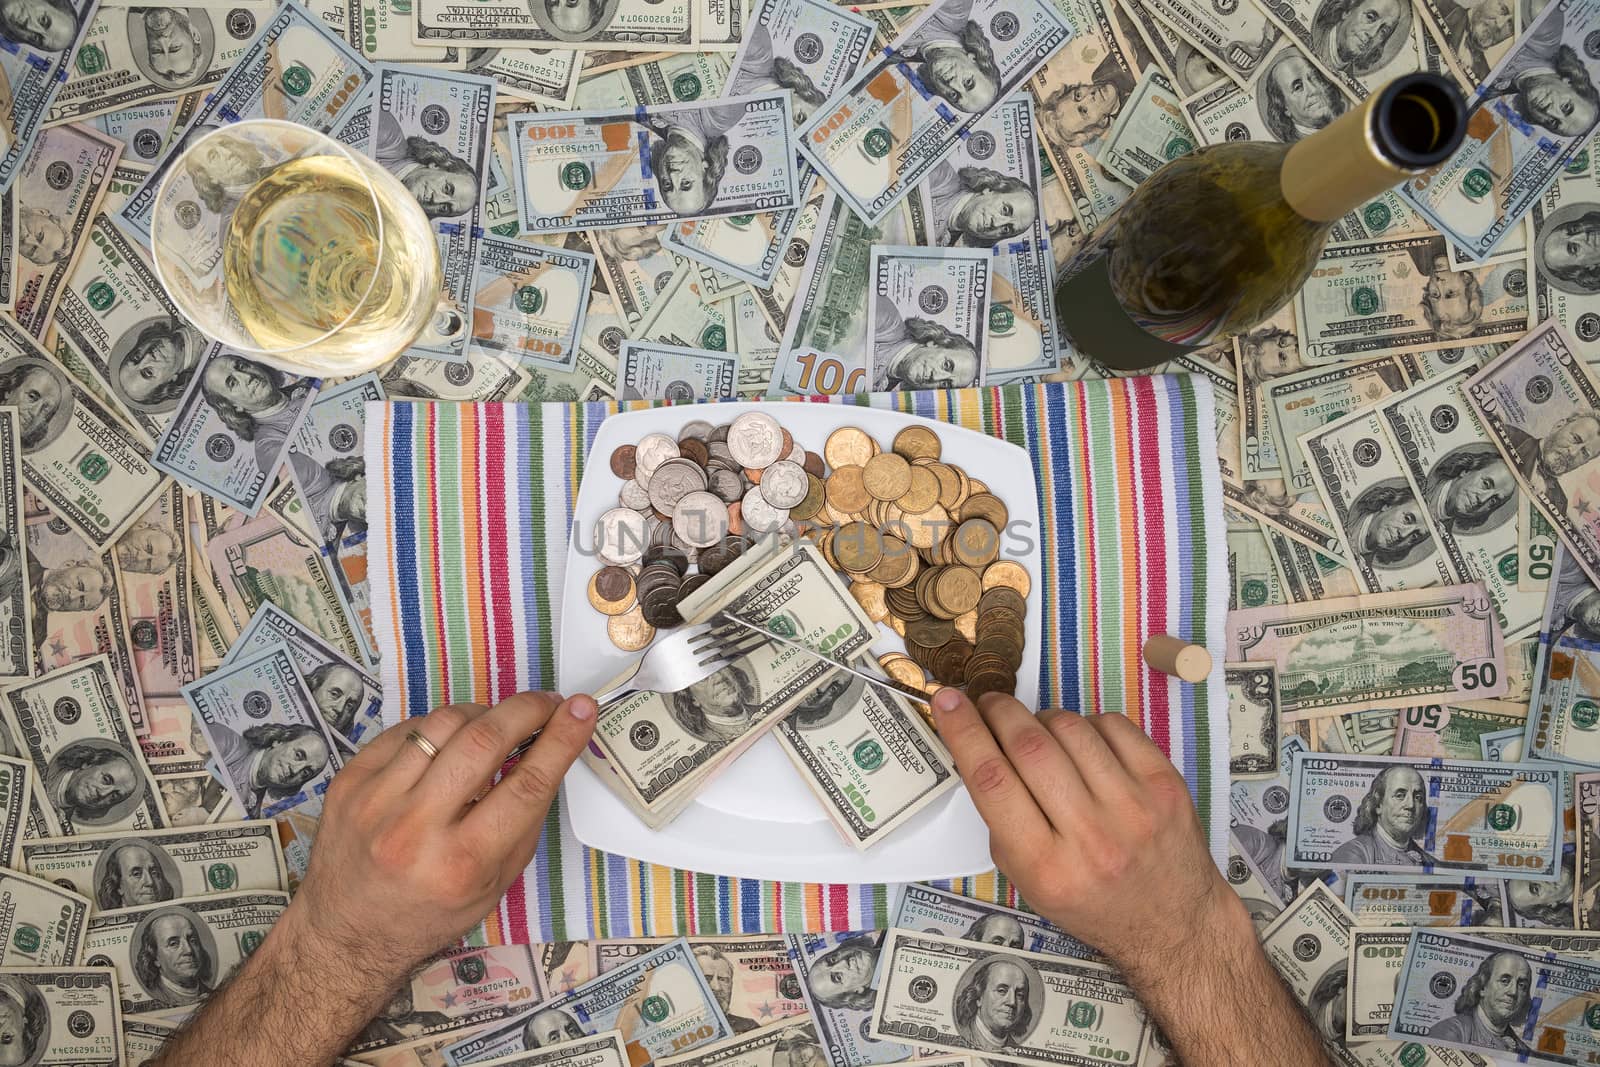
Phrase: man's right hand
(1092, 823)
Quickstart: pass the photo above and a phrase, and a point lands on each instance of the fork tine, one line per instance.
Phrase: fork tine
(729, 653)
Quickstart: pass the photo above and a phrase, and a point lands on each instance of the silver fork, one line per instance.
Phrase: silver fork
(676, 662)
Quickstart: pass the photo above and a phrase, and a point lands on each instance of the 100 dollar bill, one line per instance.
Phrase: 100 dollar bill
(78, 1009)
(1375, 651)
(604, 1049)
(1308, 944)
(631, 25)
(882, 134)
(825, 339)
(530, 302)
(924, 998)
(866, 798)
(926, 909)
(1433, 1001)
(826, 44)
(792, 581)
(1525, 121)
(213, 936)
(1468, 494)
(1000, 155)
(1390, 813)
(660, 1002)
(591, 169)
(132, 56)
(917, 292)
(124, 870)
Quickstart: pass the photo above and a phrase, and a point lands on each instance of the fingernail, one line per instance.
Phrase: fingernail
(947, 699)
(582, 707)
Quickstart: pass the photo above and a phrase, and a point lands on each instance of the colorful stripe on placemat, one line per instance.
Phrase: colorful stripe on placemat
(469, 529)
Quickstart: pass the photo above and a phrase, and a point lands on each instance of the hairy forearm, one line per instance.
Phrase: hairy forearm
(296, 1002)
(1223, 1003)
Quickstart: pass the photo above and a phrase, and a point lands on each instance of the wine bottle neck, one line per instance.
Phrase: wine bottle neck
(1339, 168)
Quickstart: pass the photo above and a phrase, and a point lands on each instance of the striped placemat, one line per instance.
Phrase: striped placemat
(469, 510)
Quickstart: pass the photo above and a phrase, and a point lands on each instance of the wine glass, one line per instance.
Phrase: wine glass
(289, 248)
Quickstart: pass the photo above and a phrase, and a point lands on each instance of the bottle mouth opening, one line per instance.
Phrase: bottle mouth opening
(1419, 120)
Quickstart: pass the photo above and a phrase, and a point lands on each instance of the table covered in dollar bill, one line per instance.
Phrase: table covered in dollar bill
(204, 561)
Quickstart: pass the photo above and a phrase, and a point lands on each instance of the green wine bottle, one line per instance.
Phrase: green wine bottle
(1217, 241)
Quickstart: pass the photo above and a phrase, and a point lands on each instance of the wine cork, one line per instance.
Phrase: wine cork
(1177, 657)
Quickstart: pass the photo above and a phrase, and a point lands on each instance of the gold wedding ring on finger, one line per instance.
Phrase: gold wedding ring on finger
(428, 748)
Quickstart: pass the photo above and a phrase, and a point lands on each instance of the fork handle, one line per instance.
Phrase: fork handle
(600, 699)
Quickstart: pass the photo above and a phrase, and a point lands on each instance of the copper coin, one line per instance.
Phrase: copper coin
(629, 631)
(975, 542)
(848, 446)
(811, 506)
(622, 461)
(814, 465)
(1000, 596)
(887, 476)
(695, 449)
(930, 631)
(846, 490)
(950, 661)
(611, 590)
(870, 596)
(949, 484)
(927, 529)
(902, 669)
(985, 506)
(923, 494)
(967, 625)
(957, 590)
(916, 442)
(1007, 574)
(857, 547)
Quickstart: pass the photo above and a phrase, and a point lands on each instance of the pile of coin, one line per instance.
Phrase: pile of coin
(687, 508)
(920, 541)
(918, 538)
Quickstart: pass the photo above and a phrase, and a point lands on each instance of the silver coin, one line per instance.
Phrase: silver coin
(796, 453)
(755, 439)
(758, 513)
(620, 536)
(672, 481)
(719, 454)
(700, 520)
(727, 484)
(699, 429)
(634, 495)
(653, 450)
(784, 484)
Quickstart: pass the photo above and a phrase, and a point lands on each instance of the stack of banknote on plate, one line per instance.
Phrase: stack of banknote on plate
(683, 199)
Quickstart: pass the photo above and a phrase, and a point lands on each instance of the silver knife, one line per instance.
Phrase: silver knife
(888, 683)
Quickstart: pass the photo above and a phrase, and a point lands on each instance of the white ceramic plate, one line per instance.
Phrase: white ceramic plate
(758, 819)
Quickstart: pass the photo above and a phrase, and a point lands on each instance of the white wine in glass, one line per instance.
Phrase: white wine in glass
(288, 247)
